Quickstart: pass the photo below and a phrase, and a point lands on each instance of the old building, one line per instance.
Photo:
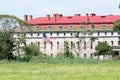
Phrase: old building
(58, 28)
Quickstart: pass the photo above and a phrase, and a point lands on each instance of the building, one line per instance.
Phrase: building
(63, 28)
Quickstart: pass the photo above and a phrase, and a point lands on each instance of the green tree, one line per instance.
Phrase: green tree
(116, 26)
(67, 52)
(31, 51)
(6, 45)
(103, 49)
(10, 24)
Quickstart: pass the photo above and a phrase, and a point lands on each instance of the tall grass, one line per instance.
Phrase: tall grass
(106, 70)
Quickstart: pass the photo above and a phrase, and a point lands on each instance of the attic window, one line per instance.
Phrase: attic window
(70, 27)
(37, 27)
(82, 26)
(60, 27)
(104, 26)
(49, 27)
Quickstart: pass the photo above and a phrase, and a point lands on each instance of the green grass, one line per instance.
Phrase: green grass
(108, 70)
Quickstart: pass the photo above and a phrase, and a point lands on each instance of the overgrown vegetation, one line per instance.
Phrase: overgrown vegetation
(30, 52)
(6, 45)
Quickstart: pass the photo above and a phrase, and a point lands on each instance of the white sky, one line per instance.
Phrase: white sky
(66, 7)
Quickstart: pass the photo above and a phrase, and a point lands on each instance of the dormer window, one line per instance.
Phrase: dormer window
(70, 27)
(82, 26)
(104, 26)
(60, 27)
(38, 27)
(49, 27)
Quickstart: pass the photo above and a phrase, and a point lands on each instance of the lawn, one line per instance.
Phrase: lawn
(61, 71)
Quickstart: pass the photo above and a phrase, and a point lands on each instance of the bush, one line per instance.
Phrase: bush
(32, 50)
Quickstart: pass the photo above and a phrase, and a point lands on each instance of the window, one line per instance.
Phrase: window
(60, 27)
(57, 45)
(91, 45)
(98, 33)
(70, 27)
(57, 34)
(105, 41)
(72, 45)
(82, 26)
(37, 27)
(25, 43)
(38, 45)
(71, 34)
(111, 33)
(31, 34)
(38, 34)
(51, 45)
(84, 44)
(44, 45)
(118, 42)
(77, 54)
(51, 34)
(31, 42)
(64, 34)
(104, 26)
(49, 27)
(105, 33)
(51, 55)
(91, 55)
(78, 45)
(112, 43)
(84, 55)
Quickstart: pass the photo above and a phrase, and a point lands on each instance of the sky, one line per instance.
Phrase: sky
(38, 8)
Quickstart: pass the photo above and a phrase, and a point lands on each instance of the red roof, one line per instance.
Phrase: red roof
(74, 19)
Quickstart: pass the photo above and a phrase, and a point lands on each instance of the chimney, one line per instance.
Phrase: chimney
(30, 17)
(77, 15)
(25, 18)
(92, 14)
(87, 18)
(60, 15)
(48, 17)
(55, 16)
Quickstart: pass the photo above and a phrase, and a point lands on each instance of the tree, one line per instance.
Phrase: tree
(31, 51)
(82, 40)
(116, 26)
(9, 24)
(67, 52)
(103, 49)
(6, 45)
